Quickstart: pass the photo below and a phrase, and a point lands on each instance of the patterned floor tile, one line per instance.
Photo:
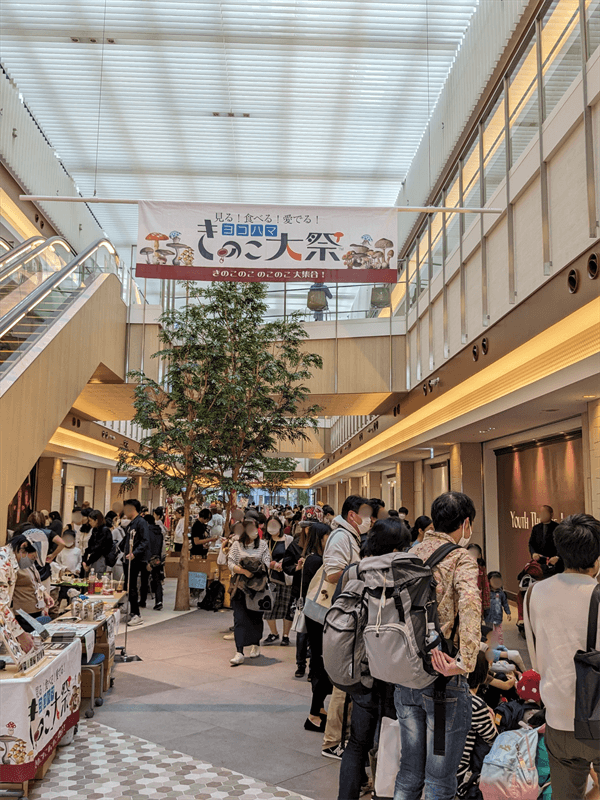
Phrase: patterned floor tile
(105, 764)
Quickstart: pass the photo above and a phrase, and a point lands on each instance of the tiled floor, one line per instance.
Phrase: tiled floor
(103, 763)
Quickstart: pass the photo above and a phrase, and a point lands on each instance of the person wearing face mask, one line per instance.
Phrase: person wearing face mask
(23, 551)
(343, 549)
(459, 604)
(281, 578)
(247, 623)
(556, 620)
(403, 514)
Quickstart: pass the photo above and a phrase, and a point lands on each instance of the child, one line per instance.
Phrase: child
(70, 557)
(502, 660)
(481, 734)
(483, 583)
(498, 605)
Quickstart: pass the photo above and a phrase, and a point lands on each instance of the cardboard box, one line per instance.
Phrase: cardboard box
(86, 681)
(171, 567)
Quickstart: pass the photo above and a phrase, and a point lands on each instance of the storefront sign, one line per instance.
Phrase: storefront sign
(36, 712)
(546, 473)
(238, 242)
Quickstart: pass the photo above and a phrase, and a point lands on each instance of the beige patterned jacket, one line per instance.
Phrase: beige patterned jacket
(457, 593)
(8, 576)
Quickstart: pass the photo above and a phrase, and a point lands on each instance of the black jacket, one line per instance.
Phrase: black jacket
(540, 544)
(138, 528)
(100, 544)
(155, 538)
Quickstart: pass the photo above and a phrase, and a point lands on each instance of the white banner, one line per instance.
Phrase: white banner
(35, 713)
(229, 241)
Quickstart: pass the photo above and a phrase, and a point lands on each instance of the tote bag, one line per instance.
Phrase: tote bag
(320, 592)
(587, 688)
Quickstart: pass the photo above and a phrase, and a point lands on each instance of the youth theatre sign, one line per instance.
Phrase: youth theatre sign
(238, 242)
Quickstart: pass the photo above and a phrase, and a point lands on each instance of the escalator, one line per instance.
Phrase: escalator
(62, 325)
(36, 288)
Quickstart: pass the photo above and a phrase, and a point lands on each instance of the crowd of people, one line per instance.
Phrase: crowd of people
(287, 563)
(293, 567)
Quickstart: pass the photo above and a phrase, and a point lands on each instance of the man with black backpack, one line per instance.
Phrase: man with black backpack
(434, 721)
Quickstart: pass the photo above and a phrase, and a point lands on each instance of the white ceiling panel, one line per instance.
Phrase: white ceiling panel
(338, 94)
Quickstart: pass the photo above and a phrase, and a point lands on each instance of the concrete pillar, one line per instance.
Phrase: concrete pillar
(406, 488)
(373, 484)
(344, 491)
(102, 490)
(591, 444)
(418, 494)
(332, 489)
(466, 476)
(49, 488)
(354, 485)
(385, 491)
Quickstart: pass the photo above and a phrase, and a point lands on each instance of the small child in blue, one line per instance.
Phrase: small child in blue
(498, 605)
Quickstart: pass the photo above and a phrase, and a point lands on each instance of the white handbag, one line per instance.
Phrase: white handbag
(388, 758)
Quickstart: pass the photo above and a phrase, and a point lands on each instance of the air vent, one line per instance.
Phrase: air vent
(593, 265)
(573, 281)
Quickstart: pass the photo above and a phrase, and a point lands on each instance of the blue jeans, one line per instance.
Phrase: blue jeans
(419, 767)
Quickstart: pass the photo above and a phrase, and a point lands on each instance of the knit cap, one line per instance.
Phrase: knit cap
(528, 688)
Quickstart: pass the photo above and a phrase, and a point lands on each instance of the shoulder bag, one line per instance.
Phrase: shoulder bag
(320, 592)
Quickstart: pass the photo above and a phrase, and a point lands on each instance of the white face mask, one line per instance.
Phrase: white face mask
(464, 540)
(364, 525)
(402, 516)
(252, 535)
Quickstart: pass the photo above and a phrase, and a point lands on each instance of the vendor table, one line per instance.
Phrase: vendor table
(206, 565)
(37, 708)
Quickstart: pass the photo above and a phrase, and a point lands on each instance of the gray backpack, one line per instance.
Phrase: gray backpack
(344, 654)
(401, 602)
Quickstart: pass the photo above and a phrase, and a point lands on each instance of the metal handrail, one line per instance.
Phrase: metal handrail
(35, 297)
(28, 255)
(21, 248)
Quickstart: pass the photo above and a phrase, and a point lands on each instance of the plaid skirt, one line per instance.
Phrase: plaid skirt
(282, 606)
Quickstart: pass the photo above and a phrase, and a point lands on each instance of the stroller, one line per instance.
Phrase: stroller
(533, 572)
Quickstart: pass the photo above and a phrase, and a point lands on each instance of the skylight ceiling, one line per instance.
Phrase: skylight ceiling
(330, 97)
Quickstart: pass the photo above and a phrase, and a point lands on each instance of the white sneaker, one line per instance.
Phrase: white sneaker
(254, 651)
(229, 637)
(137, 620)
(237, 660)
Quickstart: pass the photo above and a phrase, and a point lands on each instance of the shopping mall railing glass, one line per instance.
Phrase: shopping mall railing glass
(23, 325)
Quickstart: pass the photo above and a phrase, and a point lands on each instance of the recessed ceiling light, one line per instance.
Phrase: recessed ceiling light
(588, 396)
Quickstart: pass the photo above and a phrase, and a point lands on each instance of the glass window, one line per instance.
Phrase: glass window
(437, 243)
(452, 220)
(494, 148)
(561, 50)
(424, 260)
(593, 26)
(523, 102)
(471, 182)
(412, 278)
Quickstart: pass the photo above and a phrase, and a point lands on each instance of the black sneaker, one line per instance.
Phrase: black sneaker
(272, 637)
(285, 641)
(142, 605)
(158, 607)
(300, 672)
(335, 752)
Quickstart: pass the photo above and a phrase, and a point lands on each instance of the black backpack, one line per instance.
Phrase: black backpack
(214, 598)
(112, 558)
(587, 689)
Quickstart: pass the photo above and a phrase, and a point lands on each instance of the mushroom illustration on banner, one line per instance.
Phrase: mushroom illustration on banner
(383, 253)
(179, 248)
(159, 256)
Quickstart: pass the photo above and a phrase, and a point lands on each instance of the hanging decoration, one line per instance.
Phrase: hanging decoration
(239, 242)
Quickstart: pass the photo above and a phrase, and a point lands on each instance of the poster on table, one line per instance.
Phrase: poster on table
(35, 713)
(239, 242)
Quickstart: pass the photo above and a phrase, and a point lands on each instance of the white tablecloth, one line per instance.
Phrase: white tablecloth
(36, 710)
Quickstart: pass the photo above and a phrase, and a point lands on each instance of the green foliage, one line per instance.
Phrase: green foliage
(303, 497)
(231, 388)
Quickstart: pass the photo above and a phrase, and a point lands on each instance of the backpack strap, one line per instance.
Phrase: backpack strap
(592, 631)
(440, 554)
(528, 607)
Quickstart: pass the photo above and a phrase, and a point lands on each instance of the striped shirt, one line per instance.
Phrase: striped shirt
(481, 725)
(237, 552)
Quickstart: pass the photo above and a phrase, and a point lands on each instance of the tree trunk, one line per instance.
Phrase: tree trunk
(182, 597)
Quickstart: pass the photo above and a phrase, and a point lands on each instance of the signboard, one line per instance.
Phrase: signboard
(35, 713)
(238, 242)
(546, 473)
(197, 580)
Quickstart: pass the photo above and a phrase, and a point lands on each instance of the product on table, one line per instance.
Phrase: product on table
(92, 581)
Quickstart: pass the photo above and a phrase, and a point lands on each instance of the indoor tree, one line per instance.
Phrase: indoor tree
(232, 388)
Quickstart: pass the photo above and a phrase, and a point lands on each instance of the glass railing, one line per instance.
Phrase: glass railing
(21, 276)
(23, 325)
(9, 255)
